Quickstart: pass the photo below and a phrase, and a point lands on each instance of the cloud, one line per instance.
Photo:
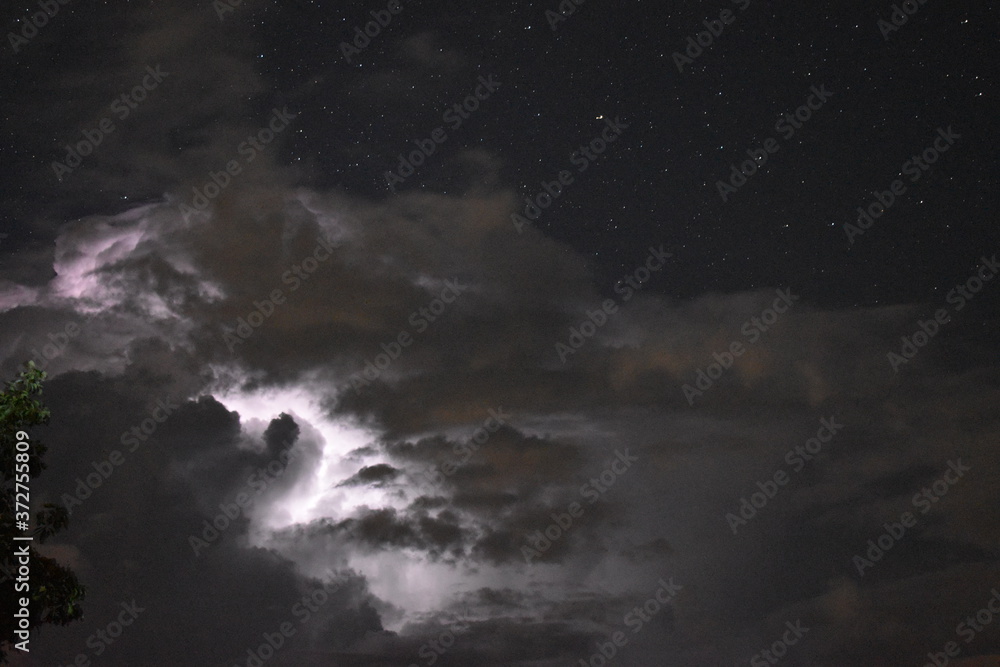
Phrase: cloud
(341, 472)
(153, 295)
(372, 475)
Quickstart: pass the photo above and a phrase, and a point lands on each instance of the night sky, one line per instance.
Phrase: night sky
(545, 334)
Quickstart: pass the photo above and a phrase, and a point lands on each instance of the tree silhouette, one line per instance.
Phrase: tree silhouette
(54, 592)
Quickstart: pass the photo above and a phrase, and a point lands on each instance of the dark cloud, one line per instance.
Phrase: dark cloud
(369, 462)
(627, 382)
(174, 482)
(372, 475)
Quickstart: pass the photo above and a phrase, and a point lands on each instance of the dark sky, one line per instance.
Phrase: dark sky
(434, 369)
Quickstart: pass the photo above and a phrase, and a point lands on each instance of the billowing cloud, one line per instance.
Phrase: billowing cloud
(397, 422)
